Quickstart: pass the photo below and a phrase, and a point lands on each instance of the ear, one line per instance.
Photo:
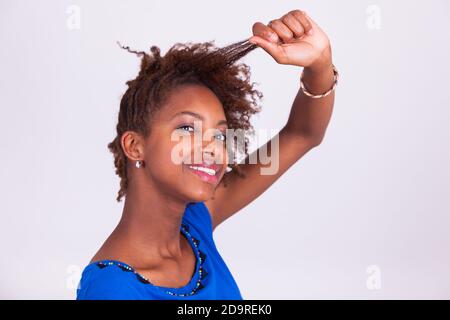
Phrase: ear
(132, 145)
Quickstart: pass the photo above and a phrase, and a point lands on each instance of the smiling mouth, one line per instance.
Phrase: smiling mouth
(207, 174)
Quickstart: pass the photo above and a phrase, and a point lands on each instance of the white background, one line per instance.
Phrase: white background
(374, 193)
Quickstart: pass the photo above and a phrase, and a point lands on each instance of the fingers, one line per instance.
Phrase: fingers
(282, 30)
(294, 24)
(302, 17)
(263, 31)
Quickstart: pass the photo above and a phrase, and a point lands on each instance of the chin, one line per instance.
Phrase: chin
(199, 191)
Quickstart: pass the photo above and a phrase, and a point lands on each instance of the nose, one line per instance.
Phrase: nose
(214, 156)
(208, 148)
(208, 157)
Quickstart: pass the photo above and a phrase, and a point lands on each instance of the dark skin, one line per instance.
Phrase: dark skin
(148, 235)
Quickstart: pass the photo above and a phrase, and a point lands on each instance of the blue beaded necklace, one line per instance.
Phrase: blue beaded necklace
(200, 259)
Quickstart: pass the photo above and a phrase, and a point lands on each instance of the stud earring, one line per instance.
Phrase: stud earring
(139, 164)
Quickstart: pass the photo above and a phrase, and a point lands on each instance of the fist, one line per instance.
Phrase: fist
(293, 39)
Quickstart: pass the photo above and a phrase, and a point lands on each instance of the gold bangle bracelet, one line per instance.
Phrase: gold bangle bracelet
(316, 96)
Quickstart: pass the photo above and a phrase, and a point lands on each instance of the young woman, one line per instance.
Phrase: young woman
(163, 246)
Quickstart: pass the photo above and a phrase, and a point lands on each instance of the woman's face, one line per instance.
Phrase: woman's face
(185, 153)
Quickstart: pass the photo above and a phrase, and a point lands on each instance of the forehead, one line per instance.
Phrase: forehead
(195, 98)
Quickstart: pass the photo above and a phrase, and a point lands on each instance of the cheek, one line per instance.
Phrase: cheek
(225, 155)
(161, 158)
(181, 152)
(221, 154)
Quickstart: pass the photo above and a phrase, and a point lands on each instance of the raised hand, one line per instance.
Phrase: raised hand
(294, 39)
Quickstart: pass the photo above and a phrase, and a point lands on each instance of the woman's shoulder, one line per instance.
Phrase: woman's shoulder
(108, 279)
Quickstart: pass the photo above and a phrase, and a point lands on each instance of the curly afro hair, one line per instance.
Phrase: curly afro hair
(189, 63)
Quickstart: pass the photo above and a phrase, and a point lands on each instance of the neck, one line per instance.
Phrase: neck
(150, 225)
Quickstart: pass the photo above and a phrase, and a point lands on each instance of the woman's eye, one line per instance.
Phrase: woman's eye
(186, 126)
(221, 136)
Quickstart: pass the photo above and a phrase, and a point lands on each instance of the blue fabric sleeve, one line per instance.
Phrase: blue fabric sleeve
(110, 283)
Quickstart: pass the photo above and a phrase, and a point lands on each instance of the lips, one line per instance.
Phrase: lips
(207, 172)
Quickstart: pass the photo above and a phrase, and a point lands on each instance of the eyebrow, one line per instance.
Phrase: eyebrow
(198, 116)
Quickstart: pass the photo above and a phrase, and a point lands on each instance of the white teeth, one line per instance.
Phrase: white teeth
(209, 171)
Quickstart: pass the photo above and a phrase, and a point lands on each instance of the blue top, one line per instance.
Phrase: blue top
(113, 279)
